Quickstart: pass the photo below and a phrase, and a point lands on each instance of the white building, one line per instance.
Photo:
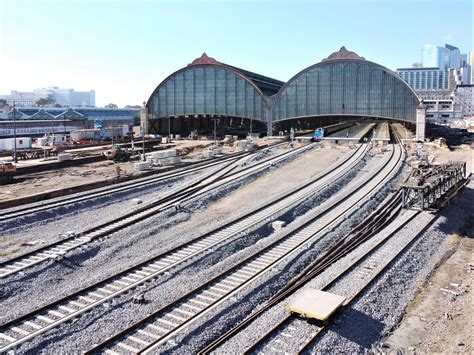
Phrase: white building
(470, 65)
(463, 97)
(440, 57)
(461, 76)
(443, 111)
(8, 144)
(421, 79)
(63, 97)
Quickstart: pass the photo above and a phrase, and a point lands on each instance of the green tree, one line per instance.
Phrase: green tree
(46, 101)
(111, 105)
(3, 103)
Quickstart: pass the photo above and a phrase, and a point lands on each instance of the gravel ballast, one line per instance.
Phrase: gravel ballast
(61, 276)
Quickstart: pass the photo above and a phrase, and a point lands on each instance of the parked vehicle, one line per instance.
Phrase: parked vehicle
(7, 172)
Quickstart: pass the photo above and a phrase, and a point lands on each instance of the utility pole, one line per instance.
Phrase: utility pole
(143, 147)
(15, 159)
(169, 129)
(250, 128)
(215, 130)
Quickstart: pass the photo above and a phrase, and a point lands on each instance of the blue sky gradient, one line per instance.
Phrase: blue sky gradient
(123, 49)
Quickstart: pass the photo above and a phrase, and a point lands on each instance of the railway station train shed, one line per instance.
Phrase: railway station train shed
(343, 86)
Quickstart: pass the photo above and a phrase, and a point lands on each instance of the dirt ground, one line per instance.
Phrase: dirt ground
(90, 173)
(270, 185)
(439, 319)
(462, 152)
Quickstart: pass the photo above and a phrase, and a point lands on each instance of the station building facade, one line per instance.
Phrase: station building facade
(343, 86)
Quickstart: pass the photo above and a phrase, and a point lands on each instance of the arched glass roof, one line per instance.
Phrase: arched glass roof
(345, 84)
(207, 87)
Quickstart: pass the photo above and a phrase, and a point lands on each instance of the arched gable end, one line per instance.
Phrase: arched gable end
(208, 89)
(346, 87)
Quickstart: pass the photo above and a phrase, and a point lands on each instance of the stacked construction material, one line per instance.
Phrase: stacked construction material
(212, 151)
(245, 145)
(142, 165)
(163, 157)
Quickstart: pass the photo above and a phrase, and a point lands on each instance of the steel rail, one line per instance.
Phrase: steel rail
(157, 265)
(153, 345)
(394, 204)
(361, 232)
(376, 221)
(209, 295)
(23, 210)
(387, 264)
(59, 248)
(318, 267)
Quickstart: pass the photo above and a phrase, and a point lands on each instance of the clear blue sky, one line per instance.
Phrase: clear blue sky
(124, 48)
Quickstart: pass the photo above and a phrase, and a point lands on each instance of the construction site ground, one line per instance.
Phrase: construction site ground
(73, 177)
(439, 319)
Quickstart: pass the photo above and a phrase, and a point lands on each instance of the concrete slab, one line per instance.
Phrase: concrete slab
(381, 133)
(315, 303)
(352, 134)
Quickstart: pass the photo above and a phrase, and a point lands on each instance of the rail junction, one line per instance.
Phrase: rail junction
(367, 184)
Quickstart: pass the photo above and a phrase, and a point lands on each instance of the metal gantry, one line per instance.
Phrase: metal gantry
(429, 184)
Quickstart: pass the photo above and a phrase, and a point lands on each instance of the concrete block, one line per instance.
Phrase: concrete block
(277, 225)
(217, 150)
(64, 157)
(172, 153)
(208, 154)
(143, 165)
(175, 160)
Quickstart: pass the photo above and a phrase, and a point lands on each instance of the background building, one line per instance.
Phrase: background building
(433, 56)
(58, 96)
(440, 57)
(470, 65)
(463, 97)
(443, 82)
(460, 76)
(34, 121)
(424, 79)
(443, 111)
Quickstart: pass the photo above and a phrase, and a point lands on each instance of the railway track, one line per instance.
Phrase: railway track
(286, 333)
(15, 212)
(101, 292)
(361, 273)
(151, 332)
(294, 334)
(24, 210)
(361, 233)
(174, 199)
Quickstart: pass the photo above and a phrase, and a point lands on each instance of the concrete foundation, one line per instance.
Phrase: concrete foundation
(420, 122)
(144, 120)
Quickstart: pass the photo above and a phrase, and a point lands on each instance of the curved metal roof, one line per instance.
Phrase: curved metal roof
(328, 61)
(264, 85)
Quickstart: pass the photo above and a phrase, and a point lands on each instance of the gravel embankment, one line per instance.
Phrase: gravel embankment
(49, 226)
(380, 308)
(118, 315)
(110, 255)
(219, 320)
